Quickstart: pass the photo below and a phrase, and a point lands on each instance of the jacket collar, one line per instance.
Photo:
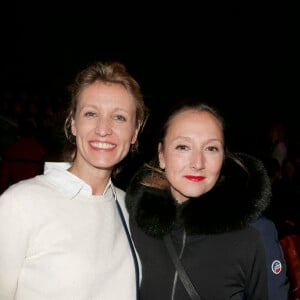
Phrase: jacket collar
(237, 199)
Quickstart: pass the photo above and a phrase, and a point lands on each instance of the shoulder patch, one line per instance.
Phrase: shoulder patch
(276, 266)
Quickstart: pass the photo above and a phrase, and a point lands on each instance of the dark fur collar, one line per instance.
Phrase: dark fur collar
(237, 199)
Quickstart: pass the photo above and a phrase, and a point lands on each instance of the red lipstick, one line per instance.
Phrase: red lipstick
(194, 178)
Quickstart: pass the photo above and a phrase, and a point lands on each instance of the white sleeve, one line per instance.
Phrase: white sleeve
(13, 244)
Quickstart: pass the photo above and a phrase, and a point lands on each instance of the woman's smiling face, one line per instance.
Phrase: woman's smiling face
(104, 125)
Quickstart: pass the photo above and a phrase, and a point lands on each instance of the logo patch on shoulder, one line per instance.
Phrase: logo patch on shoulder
(276, 267)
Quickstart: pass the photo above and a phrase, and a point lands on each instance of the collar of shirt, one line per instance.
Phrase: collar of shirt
(58, 174)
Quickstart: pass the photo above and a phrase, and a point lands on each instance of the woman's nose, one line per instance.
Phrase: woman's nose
(103, 126)
(197, 160)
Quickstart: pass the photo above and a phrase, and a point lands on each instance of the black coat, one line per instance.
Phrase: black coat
(230, 250)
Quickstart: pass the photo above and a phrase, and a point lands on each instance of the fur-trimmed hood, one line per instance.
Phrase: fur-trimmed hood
(238, 198)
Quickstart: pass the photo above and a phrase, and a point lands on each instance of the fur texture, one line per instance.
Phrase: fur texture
(238, 198)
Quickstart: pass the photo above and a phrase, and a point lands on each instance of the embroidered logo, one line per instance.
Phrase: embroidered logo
(276, 267)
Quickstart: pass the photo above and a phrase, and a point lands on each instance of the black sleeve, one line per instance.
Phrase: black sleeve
(278, 284)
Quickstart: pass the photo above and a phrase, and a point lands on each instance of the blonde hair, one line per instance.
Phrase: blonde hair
(110, 72)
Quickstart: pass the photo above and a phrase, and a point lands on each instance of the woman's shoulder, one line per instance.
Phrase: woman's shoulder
(31, 188)
(266, 228)
(264, 223)
(22, 185)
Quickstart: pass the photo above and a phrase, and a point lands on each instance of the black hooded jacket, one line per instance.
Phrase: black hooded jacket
(227, 247)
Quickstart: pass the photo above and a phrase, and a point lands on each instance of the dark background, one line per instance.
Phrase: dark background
(241, 57)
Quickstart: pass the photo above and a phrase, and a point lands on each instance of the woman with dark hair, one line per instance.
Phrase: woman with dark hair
(200, 207)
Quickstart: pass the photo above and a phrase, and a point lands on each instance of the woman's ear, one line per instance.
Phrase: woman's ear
(136, 133)
(161, 158)
(73, 127)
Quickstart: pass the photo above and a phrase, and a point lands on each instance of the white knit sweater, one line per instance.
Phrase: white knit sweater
(59, 242)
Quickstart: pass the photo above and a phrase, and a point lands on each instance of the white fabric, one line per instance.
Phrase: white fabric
(59, 242)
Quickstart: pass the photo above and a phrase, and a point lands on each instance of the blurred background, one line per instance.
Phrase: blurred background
(241, 57)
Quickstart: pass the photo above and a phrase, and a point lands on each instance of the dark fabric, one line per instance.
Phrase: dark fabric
(229, 249)
(180, 269)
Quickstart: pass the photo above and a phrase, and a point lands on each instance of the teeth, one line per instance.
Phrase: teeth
(103, 145)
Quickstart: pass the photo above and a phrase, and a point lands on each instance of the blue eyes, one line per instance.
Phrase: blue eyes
(91, 114)
(120, 118)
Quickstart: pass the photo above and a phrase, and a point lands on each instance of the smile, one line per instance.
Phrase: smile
(103, 145)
